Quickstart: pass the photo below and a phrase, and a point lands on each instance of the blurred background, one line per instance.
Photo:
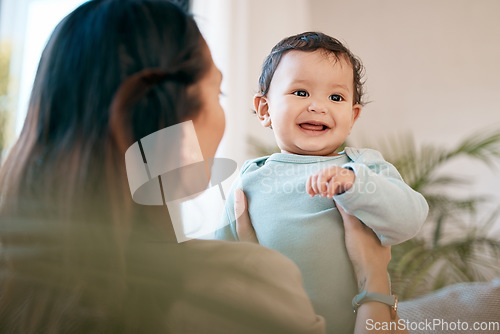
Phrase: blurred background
(432, 67)
(432, 79)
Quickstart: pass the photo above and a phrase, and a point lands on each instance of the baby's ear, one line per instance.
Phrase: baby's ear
(262, 109)
(356, 111)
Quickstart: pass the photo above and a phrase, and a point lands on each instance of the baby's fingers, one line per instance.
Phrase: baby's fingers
(311, 186)
(332, 188)
(322, 182)
(308, 187)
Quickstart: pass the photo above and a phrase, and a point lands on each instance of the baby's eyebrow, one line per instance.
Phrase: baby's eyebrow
(300, 81)
(344, 87)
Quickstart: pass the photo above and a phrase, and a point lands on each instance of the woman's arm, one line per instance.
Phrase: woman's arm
(370, 260)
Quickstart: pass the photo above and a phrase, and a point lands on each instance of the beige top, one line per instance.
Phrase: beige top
(79, 281)
(241, 288)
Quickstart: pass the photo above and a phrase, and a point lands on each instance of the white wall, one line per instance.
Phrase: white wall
(432, 66)
(432, 69)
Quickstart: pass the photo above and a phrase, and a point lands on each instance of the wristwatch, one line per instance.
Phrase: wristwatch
(365, 296)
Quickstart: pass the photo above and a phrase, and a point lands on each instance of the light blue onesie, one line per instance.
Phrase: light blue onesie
(310, 230)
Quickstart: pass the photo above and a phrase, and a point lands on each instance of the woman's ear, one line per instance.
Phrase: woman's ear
(261, 106)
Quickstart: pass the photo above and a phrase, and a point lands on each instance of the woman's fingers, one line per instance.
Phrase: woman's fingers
(363, 246)
(244, 227)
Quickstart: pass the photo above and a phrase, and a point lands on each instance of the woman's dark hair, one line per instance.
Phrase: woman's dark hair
(67, 132)
(66, 207)
(308, 42)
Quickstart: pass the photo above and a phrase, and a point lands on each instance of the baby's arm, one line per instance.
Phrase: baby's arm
(382, 200)
(378, 196)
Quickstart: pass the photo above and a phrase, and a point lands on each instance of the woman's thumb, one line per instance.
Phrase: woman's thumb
(244, 227)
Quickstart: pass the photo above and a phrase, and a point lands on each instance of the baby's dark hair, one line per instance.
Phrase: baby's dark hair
(308, 42)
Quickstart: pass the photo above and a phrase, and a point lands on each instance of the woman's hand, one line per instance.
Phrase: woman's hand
(369, 258)
(244, 227)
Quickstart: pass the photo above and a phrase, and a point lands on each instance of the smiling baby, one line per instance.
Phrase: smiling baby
(311, 94)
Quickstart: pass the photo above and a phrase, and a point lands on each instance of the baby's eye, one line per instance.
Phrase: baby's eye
(336, 98)
(301, 93)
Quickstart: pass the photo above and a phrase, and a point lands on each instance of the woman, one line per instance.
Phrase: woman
(77, 255)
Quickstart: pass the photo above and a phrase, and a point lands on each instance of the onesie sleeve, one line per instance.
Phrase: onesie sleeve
(381, 199)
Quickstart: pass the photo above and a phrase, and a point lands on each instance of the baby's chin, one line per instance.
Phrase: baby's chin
(314, 151)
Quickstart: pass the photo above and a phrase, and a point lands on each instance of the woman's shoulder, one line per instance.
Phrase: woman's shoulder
(246, 254)
(255, 289)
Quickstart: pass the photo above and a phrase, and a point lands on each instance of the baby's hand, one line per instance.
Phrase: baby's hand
(333, 180)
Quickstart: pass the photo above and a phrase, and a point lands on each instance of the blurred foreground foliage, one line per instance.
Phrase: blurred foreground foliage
(5, 54)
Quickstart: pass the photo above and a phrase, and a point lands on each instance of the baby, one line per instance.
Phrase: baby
(311, 96)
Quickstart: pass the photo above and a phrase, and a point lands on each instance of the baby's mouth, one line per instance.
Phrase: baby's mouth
(313, 126)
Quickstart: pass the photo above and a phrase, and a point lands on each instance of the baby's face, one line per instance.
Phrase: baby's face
(310, 103)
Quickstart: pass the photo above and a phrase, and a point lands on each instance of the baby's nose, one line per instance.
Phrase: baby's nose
(317, 107)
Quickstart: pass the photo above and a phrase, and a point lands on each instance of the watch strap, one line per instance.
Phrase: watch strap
(365, 296)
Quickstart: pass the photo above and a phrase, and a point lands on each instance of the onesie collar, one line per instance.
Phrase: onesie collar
(303, 159)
